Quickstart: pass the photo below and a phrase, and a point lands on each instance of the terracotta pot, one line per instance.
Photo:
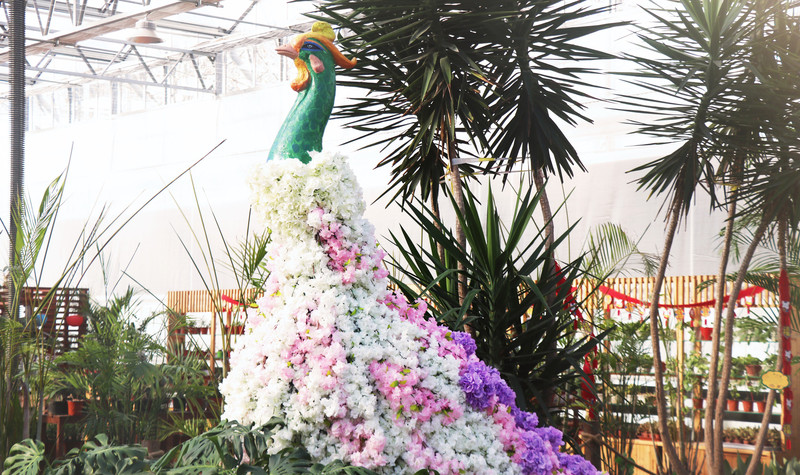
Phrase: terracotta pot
(753, 369)
(75, 407)
(761, 406)
(237, 330)
(733, 405)
(747, 405)
(706, 333)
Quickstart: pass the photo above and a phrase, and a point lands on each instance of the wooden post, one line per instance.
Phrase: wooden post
(213, 344)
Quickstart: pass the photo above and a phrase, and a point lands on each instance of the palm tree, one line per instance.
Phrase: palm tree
(459, 79)
(709, 94)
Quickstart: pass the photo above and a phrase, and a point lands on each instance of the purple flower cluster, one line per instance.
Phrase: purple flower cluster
(465, 340)
(535, 449)
(538, 455)
(575, 465)
(480, 382)
(525, 420)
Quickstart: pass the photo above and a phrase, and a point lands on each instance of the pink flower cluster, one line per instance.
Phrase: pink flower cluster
(346, 257)
(362, 445)
(400, 386)
(420, 456)
(415, 313)
(316, 353)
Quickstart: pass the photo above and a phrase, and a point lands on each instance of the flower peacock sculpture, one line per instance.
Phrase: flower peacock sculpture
(357, 372)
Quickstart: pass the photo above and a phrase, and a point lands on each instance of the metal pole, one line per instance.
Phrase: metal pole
(17, 102)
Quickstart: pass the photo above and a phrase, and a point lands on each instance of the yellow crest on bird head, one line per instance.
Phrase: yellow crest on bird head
(322, 32)
(324, 28)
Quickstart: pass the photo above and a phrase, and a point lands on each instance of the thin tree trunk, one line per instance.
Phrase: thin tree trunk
(435, 211)
(547, 215)
(458, 196)
(544, 203)
(725, 377)
(661, 404)
(755, 461)
(26, 411)
(708, 431)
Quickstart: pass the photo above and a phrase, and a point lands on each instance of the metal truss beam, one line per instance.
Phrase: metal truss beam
(114, 23)
(117, 79)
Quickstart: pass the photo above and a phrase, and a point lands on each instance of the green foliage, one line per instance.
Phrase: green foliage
(530, 339)
(610, 251)
(99, 456)
(450, 77)
(18, 356)
(702, 95)
(115, 367)
(791, 467)
(25, 458)
(246, 261)
(226, 449)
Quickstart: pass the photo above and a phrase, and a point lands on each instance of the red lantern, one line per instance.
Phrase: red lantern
(74, 320)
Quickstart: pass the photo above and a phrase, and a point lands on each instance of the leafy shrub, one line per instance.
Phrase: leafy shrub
(228, 448)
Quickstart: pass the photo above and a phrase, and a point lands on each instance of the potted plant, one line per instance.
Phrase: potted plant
(648, 431)
(737, 367)
(747, 402)
(57, 403)
(733, 398)
(75, 406)
(236, 328)
(770, 361)
(754, 330)
(752, 365)
(646, 363)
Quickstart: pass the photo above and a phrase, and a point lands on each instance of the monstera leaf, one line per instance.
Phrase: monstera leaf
(25, 458)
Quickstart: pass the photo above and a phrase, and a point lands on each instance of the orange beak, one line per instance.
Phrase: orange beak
(287, 50)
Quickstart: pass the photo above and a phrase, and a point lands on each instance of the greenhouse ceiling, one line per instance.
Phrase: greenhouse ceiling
(73, 41)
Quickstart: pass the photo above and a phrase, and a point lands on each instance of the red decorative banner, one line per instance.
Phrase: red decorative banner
(785, 349)
(748, 292)
(231, 301)
(590, 361)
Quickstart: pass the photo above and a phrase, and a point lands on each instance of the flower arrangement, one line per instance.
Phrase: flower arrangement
(357, 372)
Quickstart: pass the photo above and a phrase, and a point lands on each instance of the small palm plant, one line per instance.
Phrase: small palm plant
(532, 341)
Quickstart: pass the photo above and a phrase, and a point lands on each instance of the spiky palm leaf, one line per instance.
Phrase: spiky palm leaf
(609, 251)
(532, 342)
(442, 75)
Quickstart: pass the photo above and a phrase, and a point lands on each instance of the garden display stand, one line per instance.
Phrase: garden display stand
(686, 290)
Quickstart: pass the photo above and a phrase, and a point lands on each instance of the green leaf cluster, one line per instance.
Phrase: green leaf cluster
(230, 448)
(461, 78)
(122, 371)
(529, 337)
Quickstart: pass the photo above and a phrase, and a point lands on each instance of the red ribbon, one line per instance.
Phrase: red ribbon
(590, 359)
(748, 292)
(785, 347)
(231, 301)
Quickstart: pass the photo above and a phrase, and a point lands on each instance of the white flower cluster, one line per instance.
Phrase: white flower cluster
(318, 350)
(284, 192)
